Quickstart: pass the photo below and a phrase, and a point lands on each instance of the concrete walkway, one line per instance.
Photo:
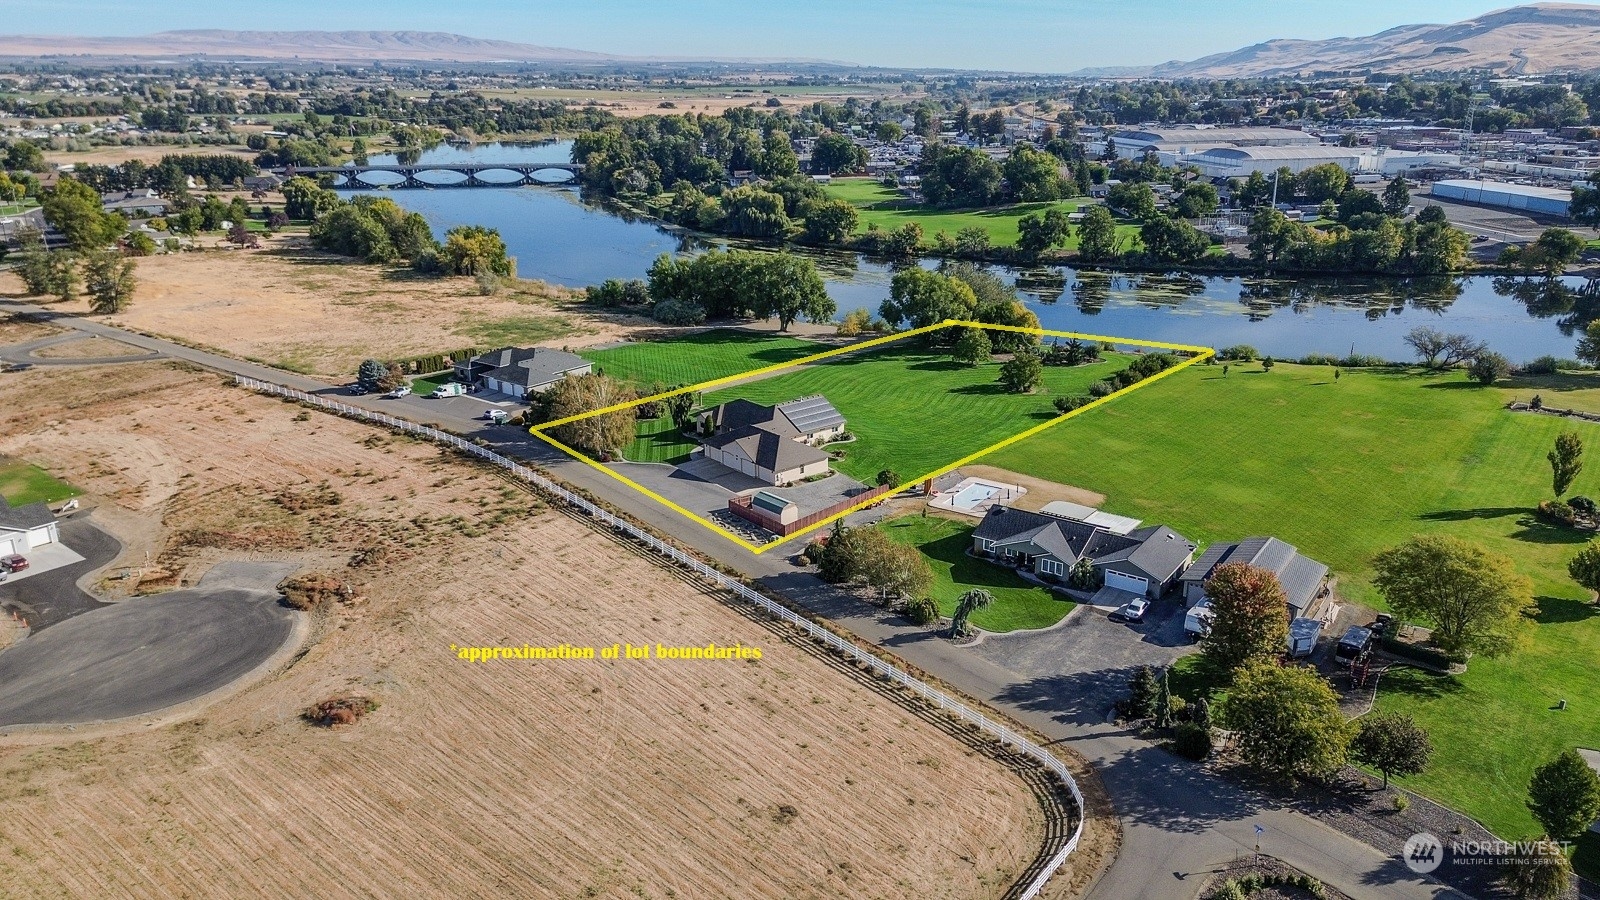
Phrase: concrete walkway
(1178, 824)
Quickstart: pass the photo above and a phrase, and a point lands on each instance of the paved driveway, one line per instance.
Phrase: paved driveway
(1077, 670)
(52, 597)
(147, 653)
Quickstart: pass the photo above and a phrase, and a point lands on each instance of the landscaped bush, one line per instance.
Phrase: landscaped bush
(1230, 890)
(339, 711)
(1319, 359)
(1363, 361)
(1417, 652)
(1068, 404)
(922, 611)
(1240, 352)
(1557, 512)
(1102, 388)
(678, 312)
(1192, 741)
(1551, 365)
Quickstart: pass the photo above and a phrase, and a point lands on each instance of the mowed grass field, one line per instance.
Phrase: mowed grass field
(1344, 469)
(23, 483)
(694, 358)
(944, 542)
(913, 410)
(888, 209)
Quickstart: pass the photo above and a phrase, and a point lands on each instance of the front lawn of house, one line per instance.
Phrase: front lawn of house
(659, 441)
(1018, 603)
(1343, 469)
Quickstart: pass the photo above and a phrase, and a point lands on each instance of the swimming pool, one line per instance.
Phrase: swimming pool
(972, 495)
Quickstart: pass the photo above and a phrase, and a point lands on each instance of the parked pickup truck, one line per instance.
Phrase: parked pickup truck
(450, 389)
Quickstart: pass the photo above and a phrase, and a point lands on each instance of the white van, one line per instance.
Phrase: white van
(1198, 620)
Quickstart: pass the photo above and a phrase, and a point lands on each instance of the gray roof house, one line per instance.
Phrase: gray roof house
(1303, 579)
(518, 370)
(23, 528)
(1145, 561)
(143, 202)
(773, 443)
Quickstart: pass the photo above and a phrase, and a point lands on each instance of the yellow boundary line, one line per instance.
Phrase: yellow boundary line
(1199, 354)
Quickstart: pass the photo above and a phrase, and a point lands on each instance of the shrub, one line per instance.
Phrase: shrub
(337, 711)
(304, 592)
(1319, 359)
(922, 611)
(1102, 388)
(1230, 890)
(1488, 368)
(1401, 802)
(1240, 352)
(1363, 361)
(678, 312)
(1192, 741)
(1557, 512)
(1068, 404)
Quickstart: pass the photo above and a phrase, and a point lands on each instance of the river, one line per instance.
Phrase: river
(557, 237)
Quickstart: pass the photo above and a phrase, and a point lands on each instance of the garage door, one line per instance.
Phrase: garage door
(1131, 583)
(6, 549)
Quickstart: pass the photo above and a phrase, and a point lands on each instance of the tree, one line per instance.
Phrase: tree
(1473, 599)
(888, 478)
(1328, 181)
(1288, 721)
(1037, 233)
(921, 298)
(787, 287)
(108, 277)
(1173, 240)
(1585, 206)
(972, 348)
(1163, 710)
(966, 605)
(1566, 461)
(833, 153)
(1585, 568)
(1142, 691)
(370, 373)
(1132, 198)
(1022, 373)
(681, 407)
(579, 395)
(1438, 350)
(1097, 235)
(1393, 744)
(753, 212)
(891, 568)
(1564, 796)
(1588, 348)
(1033, 175)
(1541, 871)
(1250, 616)
(1488, 367)
(305, 199)
(74, 209)
(888, 132)
(476, 250)
(25, 156)
(829, 221)
(1198, 199)
(1397, 196)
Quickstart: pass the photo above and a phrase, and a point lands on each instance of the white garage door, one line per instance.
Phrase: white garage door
(6, 549)
(1131, 583)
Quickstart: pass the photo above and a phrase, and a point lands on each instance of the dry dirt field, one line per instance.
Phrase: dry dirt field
(308, 312)
(87, 348)
(151, 153)
(18, 330)
(781, 777)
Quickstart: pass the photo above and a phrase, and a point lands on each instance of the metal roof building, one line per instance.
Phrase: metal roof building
(1521, 197)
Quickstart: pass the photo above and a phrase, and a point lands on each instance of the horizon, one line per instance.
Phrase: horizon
(1033, 36)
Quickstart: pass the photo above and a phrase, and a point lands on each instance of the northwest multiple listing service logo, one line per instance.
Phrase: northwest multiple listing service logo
(1423, 853)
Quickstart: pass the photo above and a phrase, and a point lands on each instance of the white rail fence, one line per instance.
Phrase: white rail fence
(816, 632)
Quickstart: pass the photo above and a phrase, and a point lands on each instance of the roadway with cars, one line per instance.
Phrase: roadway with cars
(1179, 823)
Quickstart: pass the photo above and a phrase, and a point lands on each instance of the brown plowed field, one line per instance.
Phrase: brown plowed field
(783, 777)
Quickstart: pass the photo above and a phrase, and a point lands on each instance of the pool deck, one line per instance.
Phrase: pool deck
(1004, 494)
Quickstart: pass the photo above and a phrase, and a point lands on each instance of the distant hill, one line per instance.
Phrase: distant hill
(1522, 40)
(324, 46)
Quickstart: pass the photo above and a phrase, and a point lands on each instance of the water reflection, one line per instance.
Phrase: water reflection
(1574, 307)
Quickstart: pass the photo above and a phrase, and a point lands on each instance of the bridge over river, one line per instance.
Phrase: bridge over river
(350, 176)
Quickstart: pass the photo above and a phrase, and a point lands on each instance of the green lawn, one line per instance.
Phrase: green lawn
(913, 410)
(426, 384)
(22, 483)
(1017, 603)
(888, 209)
(659, 441)
(703, 356)
(1344, 469)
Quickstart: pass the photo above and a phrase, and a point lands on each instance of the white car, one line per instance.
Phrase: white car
(401, 391)
(1132, 611)
(496, 415)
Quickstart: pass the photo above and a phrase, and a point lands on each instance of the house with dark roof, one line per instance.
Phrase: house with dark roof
(23, 528)
(1146, 561)
(144, 202)
(1303, 579)
(518, 371)
(777, 444)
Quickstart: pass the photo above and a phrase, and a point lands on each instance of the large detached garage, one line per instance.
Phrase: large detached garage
(23, 528)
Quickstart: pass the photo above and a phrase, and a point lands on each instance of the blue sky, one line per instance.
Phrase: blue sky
(1019, 35)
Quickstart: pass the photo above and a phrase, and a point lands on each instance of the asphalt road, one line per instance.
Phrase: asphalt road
(1178, 825)
(140, 655)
